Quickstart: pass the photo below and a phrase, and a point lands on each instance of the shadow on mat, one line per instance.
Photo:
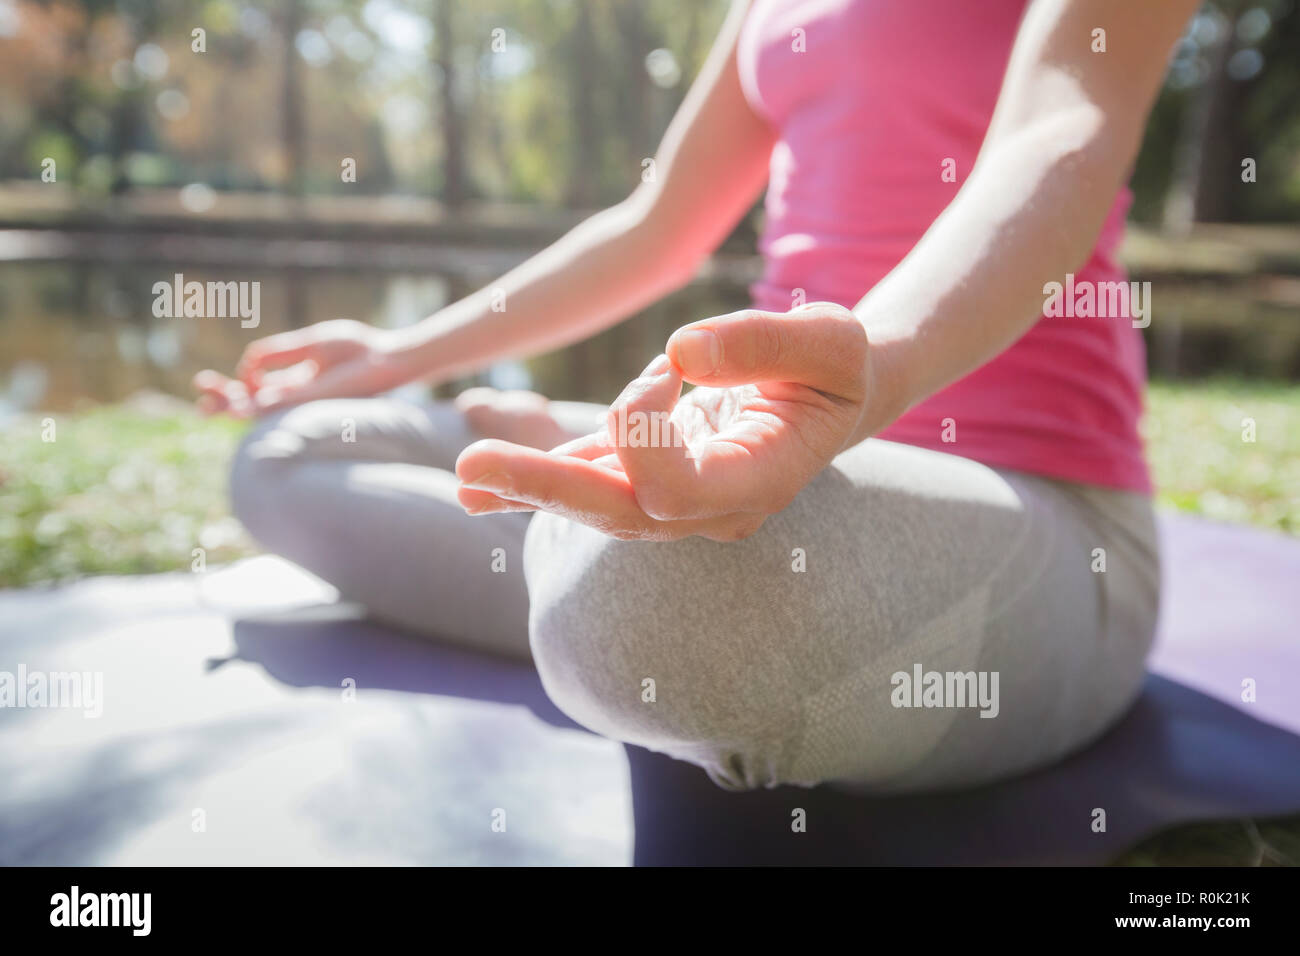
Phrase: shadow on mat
(1179, 756)
(315, 647)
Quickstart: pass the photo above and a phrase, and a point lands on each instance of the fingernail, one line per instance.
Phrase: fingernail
(656, 368)
(660, 366)
(699, 351)
(490, 481)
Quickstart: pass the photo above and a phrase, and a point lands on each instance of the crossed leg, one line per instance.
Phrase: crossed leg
(771, 660)
(765, 661)
(361, 493)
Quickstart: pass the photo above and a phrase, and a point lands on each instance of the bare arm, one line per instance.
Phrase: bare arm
(791, 390)
(1066, 130)
(710, 167)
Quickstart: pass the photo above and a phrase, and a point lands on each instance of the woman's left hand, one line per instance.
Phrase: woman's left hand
(779, 396)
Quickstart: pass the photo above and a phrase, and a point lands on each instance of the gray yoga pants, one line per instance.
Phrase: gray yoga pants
(913, 620)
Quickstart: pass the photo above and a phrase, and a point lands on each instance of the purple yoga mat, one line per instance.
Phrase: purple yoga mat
(1191, 750)
(223, 694)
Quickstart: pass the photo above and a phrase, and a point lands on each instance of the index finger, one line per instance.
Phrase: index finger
(274, 351)
(573, 488)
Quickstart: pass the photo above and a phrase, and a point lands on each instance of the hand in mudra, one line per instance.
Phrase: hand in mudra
(341, 358)
(779, 396)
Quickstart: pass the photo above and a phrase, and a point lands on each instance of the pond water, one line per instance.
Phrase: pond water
(74, 332)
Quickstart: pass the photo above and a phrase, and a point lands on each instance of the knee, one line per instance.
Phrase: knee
(662, 645)
(265, 457)
(248, 478)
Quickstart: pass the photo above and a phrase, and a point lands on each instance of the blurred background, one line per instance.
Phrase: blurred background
(141, 139)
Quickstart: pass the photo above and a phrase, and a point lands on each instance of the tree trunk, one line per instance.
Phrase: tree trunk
(453, 137)
(1208, 139)
(292, 121)
(583, 186)
(634, 86)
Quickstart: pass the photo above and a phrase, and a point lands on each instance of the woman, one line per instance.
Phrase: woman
(900, 535)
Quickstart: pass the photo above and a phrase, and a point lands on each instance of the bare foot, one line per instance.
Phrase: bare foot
(515, 416)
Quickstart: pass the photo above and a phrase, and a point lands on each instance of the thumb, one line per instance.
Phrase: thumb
(820, 345)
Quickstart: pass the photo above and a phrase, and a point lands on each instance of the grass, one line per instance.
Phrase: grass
(128, 489)
(1222, 843)
(135, 488)
(1202, 464)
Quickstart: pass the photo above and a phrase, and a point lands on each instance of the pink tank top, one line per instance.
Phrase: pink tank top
(873, 100)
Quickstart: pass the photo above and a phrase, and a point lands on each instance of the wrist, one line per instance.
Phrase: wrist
(888, 391)
(424, 350)
(409, 352)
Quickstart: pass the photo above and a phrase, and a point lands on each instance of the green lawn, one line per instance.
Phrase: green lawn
(120, 490)
(135, 489)
(1202, 464)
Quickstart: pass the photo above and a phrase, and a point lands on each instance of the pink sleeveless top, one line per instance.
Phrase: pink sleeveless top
(872, 100)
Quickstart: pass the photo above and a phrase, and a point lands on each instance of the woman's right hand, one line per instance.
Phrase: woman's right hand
(341, 358)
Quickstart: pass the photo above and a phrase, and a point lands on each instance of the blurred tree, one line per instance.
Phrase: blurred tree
(560, 109)
(453, 137)
(1229, 97)
(292, 120)
(634, 92)
(584, 72)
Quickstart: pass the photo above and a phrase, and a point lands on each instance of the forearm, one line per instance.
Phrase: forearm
(1061, 141)
(1030, 212)
(603, 270)
(622, 259)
